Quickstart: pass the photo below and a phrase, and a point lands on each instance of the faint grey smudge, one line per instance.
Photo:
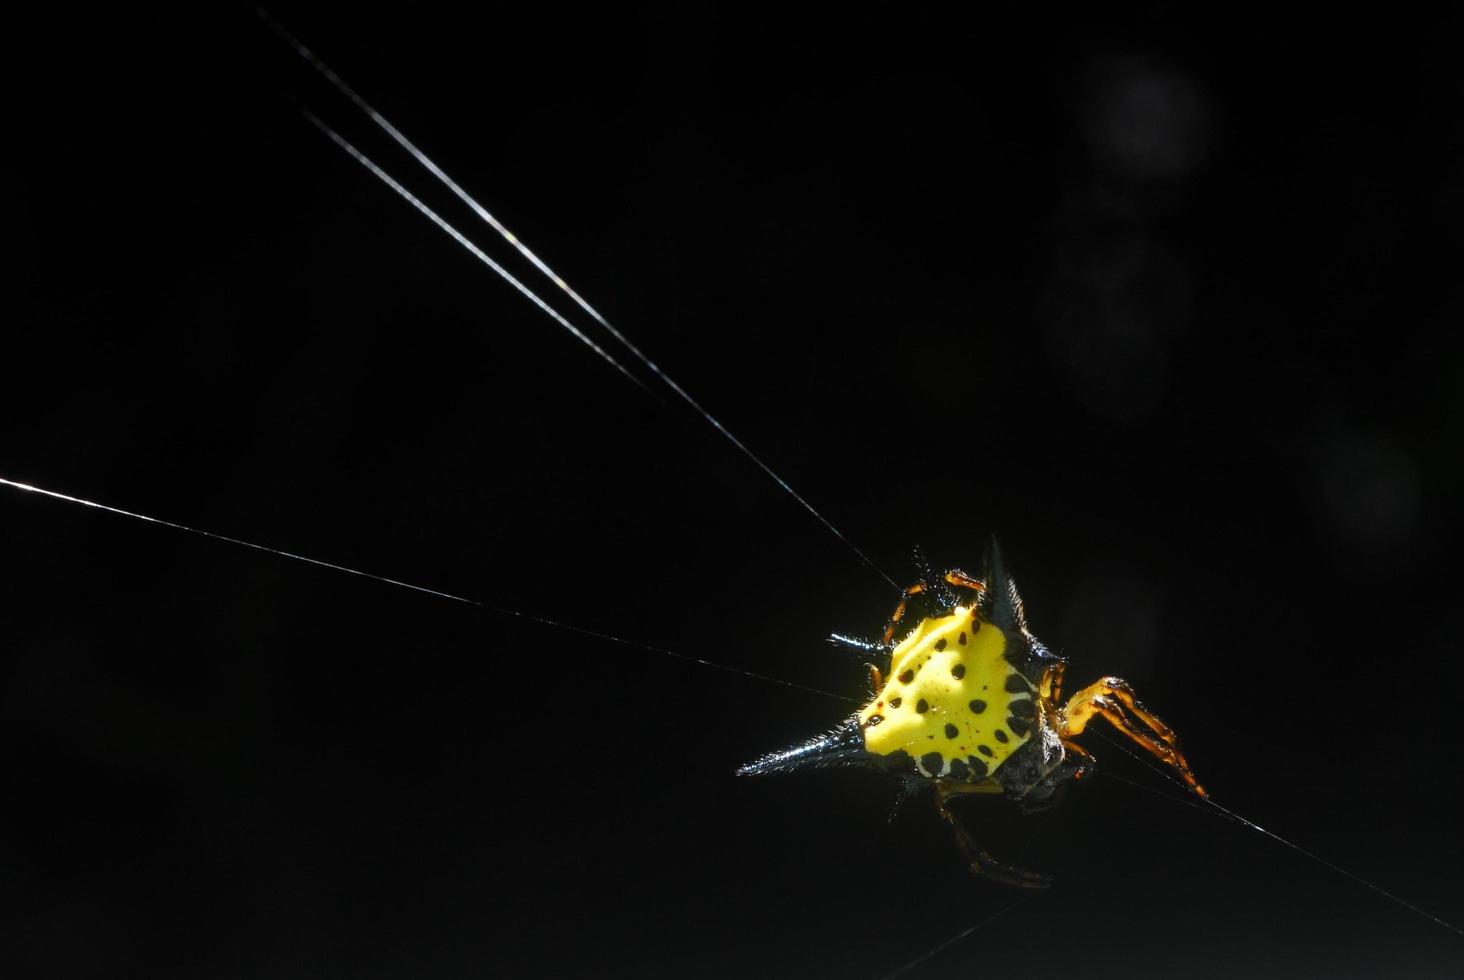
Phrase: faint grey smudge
(1115, 299)
(1117, 294)
(1144, 122)
(1115, 615)
(1371, 493)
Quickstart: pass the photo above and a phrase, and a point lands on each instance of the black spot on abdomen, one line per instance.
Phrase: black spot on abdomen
(899, 761)
(978, 705)
(951, 730)
(931, 762)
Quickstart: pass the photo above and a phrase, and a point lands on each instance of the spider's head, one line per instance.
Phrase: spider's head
(1037, 781)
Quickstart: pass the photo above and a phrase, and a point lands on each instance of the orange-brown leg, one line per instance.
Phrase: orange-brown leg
(1086, 762)
(1109, 697)
(876, 679)
(899, 613)
(981, 863)
(1051, 685)
(961, 580)
(954, 577)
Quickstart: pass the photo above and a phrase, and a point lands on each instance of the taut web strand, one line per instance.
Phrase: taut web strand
(955, 939)
(462, 240)
(500, 610)
(427, 163)
(1231, 814)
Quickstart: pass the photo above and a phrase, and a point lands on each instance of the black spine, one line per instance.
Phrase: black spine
(844, 746)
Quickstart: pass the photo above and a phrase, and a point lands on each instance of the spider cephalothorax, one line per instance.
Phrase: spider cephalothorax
(970, 701)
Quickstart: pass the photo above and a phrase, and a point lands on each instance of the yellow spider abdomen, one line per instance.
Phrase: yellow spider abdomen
(951, 701)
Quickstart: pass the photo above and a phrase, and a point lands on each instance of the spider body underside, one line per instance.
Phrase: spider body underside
(970, 702)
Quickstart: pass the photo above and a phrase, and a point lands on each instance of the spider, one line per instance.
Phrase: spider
(971, 702)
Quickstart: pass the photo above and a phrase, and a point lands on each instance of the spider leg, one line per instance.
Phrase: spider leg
(961, 580)
(876, 679)
(954, 577)
(1051, 685)
(1086, 762)
(1109, 698)
(981, 862)
(899, 613)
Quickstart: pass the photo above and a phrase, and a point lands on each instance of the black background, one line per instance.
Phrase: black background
(1167, 301)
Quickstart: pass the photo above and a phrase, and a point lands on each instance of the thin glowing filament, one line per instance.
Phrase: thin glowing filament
(462, 240)
(1231, 814)
(500, 610)
(955, 939)
(508, 236)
